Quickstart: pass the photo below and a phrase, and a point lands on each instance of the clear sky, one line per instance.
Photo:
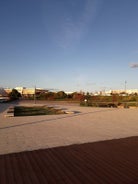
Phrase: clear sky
(69, 45)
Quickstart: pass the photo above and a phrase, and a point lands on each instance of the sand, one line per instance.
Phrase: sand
(87, 125)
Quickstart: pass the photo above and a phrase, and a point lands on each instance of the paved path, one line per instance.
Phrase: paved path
(87, 125)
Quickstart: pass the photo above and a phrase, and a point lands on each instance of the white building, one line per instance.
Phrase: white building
(128, 91)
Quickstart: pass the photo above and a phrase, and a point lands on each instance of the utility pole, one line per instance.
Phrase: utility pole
(35, 95)
(125, 85)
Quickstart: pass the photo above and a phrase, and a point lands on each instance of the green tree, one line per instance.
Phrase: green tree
(14, 94)
(60, 95)
(78, 96)
(49, 95)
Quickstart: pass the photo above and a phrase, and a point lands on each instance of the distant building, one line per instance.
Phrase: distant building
(128, 91)
(8, 90)
(28, 92)
(3, 95)
(68, 92)
(20, 90)
(118, 91)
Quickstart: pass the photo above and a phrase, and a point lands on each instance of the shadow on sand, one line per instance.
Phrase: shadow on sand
(57, 118)
(5, 105)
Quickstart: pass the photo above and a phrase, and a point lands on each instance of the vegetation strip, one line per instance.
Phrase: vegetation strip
(36, 110)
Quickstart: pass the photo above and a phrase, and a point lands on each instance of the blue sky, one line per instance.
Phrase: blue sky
(69, 45)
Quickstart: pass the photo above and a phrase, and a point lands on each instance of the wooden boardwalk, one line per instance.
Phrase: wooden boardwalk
(105, 162)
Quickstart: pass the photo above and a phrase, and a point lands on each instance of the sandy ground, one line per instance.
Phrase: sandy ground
(87, 125)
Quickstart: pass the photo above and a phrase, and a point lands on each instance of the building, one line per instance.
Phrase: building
(20, 90)
(28, 92)
(3, 95)
(128, 91)
(8, 90)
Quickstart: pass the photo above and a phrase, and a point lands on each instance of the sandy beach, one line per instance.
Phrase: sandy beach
(85, 125)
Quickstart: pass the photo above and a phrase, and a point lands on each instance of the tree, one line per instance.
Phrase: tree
(49, 95)
(60, 95)
(14, 94)
(78, 96)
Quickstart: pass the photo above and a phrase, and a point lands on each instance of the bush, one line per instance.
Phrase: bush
(14, 95)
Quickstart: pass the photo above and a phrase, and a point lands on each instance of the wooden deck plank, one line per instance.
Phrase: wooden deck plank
(112, 161)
